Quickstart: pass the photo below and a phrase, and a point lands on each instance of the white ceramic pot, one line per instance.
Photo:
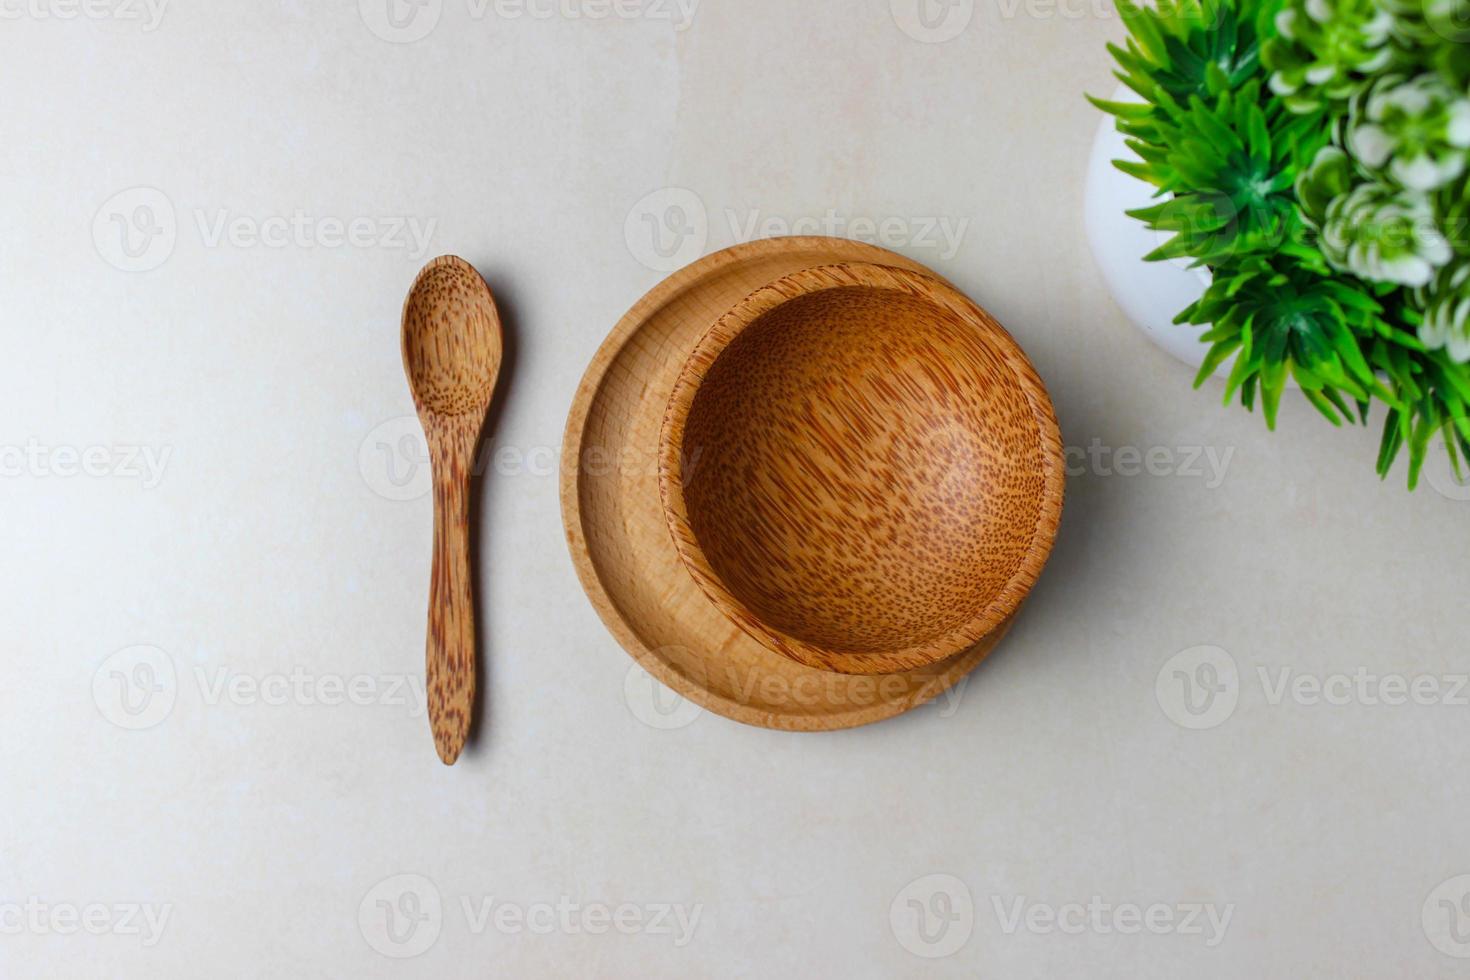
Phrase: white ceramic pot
(1150, 293)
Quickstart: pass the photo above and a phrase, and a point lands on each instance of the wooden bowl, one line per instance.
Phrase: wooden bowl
(619, 539)
(861, 469)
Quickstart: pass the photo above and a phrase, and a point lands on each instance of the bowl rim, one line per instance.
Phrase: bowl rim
(930, 289)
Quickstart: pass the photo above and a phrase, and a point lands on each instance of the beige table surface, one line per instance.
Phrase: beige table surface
(214, 537)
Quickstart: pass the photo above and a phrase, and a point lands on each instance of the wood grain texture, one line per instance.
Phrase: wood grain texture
(861, 469)
(619, 539)
(452, 349)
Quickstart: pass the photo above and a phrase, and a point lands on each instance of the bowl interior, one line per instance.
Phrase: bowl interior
(861, 472)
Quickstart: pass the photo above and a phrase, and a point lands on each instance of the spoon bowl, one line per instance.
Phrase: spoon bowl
(452, 343)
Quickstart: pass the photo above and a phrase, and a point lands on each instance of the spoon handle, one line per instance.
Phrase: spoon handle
(451, 646)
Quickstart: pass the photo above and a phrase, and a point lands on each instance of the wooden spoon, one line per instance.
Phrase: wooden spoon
(451, 352)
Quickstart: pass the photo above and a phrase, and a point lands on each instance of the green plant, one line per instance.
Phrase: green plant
(1315, 156)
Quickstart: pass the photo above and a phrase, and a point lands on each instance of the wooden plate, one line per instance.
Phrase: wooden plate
(620, 541)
